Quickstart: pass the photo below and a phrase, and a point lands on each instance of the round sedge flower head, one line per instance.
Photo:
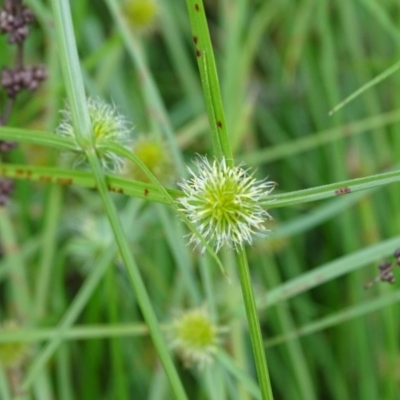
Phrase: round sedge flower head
(141, 14)
(91, 236)
(12, 354)
(107, 125)
(194, 337)
(156, 156)
(225, 203)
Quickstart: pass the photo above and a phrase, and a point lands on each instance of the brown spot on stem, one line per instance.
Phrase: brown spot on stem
(219, 124)
(343, 190)
(44, 178)
(196, 7)
(198, 53)
(64, 181)
(146, 192)
(195, 39)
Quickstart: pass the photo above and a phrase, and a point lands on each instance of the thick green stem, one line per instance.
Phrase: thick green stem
(209, 80)
(254, 327)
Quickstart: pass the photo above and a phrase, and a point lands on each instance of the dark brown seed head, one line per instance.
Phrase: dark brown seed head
(387, 276)
(384, 265)
(6, 146)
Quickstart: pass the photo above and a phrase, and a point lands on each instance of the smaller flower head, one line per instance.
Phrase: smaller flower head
(141, 14)
(107, 126)
(12, 354)
(225, 203)
(91, 236)
(194, 337)
(155, 154)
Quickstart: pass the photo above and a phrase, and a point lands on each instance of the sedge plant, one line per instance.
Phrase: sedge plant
(222, 202)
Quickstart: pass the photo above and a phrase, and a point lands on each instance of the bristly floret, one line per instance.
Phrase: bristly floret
(107, 125)
(195, 337)
(225, 203)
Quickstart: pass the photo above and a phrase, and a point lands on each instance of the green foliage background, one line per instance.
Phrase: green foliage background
(282, 66)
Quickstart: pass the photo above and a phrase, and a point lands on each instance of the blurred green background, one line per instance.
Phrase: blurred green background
(283, 65)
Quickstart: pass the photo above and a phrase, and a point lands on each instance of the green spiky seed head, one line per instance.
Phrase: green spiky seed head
(107, 126)
(194, 337)
(226, 204)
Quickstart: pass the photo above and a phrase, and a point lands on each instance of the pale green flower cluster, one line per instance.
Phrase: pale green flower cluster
(194, 337)
(226, 204)
(107, 125)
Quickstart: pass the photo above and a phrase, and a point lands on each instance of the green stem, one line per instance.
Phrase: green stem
(116, 352)
(5, 392)
(40, 138)
(254, 327)
(77, 332)
(72, 75)
(391, 70)
(18, 279)
(49, 244)
(69, 177)
(209, 80)
(154, 192)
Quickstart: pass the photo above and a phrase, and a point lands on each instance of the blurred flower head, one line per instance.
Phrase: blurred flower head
(13, 354)
(92, 235)
(155, 155)
(194, 337)
(107, 126)
(226, 204)
(141, 14)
